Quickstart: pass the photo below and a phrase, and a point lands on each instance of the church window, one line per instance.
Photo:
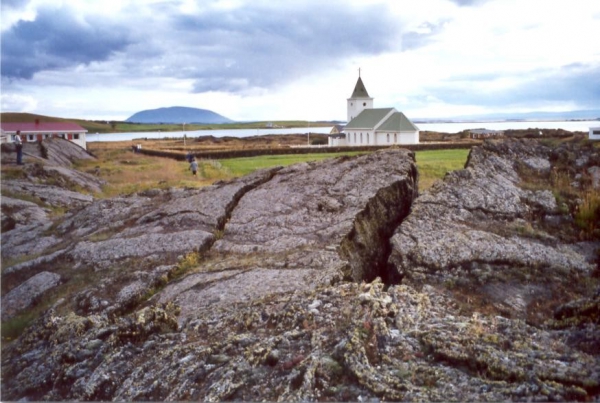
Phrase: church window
(354, 138)
(367, 138)
(364, 104)
(395, 138)
(388, 137)
(361, 138)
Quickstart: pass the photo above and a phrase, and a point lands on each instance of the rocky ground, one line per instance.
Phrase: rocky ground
(325, 281)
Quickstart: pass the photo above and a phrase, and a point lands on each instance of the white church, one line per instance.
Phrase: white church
(368, 126)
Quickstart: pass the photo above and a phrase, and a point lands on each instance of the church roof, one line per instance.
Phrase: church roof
(398, 122)
(382, 119)
(359, 90)
(368, 118)
(49, 127)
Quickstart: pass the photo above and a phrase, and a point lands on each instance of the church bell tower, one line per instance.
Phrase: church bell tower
(359, 100)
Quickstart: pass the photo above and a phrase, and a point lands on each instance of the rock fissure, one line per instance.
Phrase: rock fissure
(203, 285)
(367, 247)
(230, 207)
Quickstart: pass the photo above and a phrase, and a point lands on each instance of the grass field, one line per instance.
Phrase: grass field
(434, 164)
(126, 172)
(243, 166)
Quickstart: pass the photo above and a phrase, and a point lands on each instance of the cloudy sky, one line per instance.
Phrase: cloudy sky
(298, 59)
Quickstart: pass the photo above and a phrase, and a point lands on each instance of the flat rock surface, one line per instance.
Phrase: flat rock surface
(23, 296)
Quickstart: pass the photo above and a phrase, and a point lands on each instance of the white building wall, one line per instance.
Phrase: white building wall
(357, 105)
(31, 137)
(372, 138)
(381, 139)
(409, 137)
(391, 138)
(337, 142)
(81, 142)
(594, 133)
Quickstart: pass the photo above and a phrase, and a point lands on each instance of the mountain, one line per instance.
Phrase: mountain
(178, 114)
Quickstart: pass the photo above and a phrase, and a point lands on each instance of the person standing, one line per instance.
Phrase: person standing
(19, 147)
(194, 166)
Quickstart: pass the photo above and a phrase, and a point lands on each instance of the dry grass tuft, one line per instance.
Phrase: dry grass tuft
(587, 216)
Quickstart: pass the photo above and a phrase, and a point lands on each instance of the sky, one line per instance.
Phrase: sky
(254, 60)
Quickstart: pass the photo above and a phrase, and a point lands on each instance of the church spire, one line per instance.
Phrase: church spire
(359, 90)
(359, 101)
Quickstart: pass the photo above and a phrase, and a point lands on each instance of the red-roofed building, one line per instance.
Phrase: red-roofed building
(38, 131)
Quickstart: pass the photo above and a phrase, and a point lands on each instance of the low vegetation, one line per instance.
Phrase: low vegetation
(127, 172)
(572, 188)
(433, 165)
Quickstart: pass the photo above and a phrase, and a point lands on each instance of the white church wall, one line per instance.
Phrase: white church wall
(382, 139)
(357, 105)
(409, 138)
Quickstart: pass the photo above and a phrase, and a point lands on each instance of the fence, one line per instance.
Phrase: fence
(224, 154)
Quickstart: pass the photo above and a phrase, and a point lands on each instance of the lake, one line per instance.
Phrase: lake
(437, 127)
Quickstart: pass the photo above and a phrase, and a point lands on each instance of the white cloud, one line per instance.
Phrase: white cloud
(18, 103)
(261, 60)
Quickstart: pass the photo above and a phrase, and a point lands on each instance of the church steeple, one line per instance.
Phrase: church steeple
(359, 100)
(359, 90)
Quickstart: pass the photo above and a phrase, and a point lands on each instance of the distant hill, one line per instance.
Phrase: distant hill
(178, 114)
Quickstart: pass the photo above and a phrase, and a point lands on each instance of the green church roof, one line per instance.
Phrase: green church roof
(397, 123)
(359, 90)
(368, 118)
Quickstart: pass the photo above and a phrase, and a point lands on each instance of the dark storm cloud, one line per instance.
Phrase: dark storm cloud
(56, 40)
(252, 47)
(575, 83)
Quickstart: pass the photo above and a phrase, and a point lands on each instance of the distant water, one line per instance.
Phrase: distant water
(91, 137)
(572, 126)
(582, 126)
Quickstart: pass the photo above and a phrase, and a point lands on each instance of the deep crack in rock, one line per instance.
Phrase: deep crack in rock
(367, 247)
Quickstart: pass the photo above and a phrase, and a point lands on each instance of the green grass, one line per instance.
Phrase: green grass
(12, 328)
(434, 164)
(244, 166)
